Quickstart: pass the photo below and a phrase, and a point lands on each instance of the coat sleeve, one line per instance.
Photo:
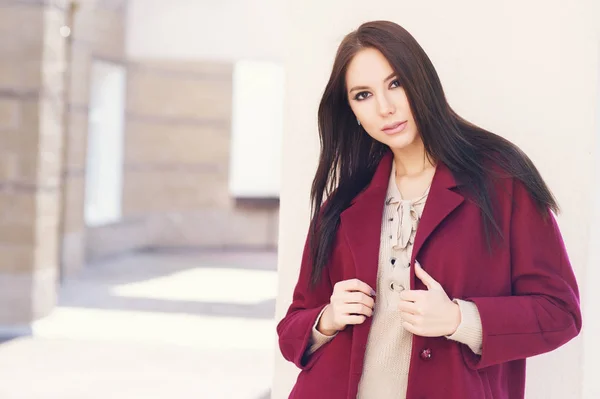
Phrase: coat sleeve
(543, 312)
(295, 329)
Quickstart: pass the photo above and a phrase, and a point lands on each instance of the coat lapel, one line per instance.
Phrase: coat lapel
(361, 223)
(442, 200)
(440, 203)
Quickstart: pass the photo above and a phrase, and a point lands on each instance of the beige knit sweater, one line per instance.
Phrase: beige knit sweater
(387, 357)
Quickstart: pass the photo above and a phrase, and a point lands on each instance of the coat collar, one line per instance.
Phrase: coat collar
(361, 222)
(443, 178)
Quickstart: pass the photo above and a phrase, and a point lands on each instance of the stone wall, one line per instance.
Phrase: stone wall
(31, 130)
(177, 153)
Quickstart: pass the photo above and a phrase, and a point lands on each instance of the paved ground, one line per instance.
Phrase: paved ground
(153, 325)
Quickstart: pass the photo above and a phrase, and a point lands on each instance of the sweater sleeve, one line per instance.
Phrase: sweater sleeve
(318, 339)
(543, 312)
(469, 330)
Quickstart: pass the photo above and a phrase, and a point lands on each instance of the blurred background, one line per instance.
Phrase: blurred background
(139, 196)
(145, 146)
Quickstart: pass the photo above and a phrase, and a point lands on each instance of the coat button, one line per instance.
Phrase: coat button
(426, 354)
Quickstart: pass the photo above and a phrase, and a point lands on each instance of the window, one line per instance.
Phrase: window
(257, 125)
(104, 170)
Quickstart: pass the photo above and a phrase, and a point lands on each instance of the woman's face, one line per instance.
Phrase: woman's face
(379, 102)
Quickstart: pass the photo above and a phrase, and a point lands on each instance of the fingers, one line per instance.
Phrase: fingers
(429, 281)
(353, 313)
(352, 302)
(358, 297)
(412, 295)
(409, 307)
(410, 328)
(412, 319)
(352, 319)
(345, 292)
(413, 324)
(358, 309)
(355, 285)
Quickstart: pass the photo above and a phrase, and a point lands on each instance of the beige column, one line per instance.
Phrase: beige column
(98, 33)
(524, 69)
(31, 109)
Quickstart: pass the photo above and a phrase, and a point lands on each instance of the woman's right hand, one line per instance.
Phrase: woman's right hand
(351, 303)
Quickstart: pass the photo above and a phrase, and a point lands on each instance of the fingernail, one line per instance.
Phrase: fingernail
(373, 293)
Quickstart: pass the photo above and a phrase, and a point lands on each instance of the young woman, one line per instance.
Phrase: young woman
(435, 267)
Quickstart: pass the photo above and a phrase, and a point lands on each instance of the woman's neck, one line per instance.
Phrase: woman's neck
(411, 160)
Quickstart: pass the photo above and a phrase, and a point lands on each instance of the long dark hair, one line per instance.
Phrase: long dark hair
(349, 156)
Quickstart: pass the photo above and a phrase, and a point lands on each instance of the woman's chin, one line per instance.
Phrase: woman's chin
(400, 141)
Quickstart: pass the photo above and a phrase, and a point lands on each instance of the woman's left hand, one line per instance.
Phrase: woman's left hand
(428, 313)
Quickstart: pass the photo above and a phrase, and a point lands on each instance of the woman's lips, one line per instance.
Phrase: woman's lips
(397, 128)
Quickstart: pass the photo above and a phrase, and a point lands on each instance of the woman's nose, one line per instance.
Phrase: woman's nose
(386, 107)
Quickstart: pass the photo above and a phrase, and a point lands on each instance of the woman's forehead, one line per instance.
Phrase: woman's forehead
(368, 67)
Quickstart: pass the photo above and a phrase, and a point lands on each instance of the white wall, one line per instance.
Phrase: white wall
(257, 130)
(221, 30)
(525, 69)
(591, 298)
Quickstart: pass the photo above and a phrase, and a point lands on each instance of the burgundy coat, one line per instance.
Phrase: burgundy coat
(525, 291)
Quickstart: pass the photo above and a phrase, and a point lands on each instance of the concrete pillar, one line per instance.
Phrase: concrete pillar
(527, 70)
(31, 131)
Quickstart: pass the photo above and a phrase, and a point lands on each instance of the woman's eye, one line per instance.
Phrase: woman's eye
(361, 96)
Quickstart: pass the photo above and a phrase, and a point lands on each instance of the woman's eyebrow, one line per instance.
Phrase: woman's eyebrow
(366, 87)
